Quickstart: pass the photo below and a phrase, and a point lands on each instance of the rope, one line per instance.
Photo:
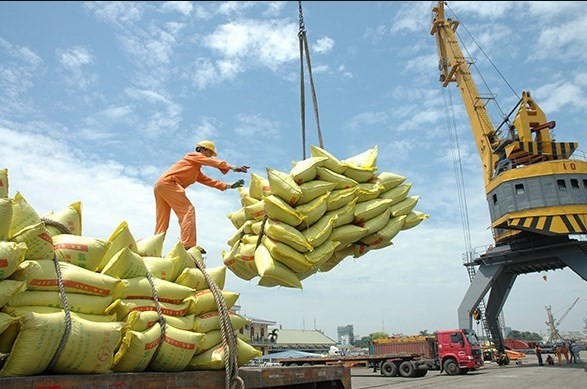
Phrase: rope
(303, 43)
(232, 379)
(160, 318)
(67, 315)
(261, 232)
(61, 227)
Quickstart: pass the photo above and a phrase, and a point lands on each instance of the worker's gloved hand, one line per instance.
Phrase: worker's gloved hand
(237, 184)
(241, 169)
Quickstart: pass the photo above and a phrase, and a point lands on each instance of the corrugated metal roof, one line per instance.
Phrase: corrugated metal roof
(286, 337)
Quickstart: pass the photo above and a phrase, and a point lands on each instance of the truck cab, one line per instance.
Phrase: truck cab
(459, 351)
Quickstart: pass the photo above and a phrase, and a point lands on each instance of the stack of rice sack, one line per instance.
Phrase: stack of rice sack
(128, 307)
(294, 224)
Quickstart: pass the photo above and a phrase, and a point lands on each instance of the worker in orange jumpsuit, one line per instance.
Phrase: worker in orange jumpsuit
(170, 190)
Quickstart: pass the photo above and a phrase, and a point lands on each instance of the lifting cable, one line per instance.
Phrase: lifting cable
(304, 47)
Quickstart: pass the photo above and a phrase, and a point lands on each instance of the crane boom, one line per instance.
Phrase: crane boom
(532, 185)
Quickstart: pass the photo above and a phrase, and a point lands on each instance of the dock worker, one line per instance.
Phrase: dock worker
(170, 189)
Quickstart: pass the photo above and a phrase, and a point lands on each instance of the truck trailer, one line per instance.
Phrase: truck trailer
(451, 351)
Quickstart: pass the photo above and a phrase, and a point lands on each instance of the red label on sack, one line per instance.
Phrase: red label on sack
(180, 344)
(71, 246)
(3, 262)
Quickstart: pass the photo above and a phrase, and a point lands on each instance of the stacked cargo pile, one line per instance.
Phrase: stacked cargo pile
(73, 304)
(292, 225)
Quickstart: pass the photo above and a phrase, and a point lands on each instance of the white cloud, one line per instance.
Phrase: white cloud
(121, 13)
(183, 7)
(256, 126)
(366, 119)
(324, 45)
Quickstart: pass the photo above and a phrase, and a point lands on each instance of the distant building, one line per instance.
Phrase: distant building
(275, 339)
(346, 336)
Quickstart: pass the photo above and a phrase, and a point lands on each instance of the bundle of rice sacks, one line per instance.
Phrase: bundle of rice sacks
(292, 225)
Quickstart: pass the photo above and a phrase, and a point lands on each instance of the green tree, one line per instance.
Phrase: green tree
(365, 341)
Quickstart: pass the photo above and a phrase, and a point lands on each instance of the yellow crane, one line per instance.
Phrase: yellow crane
(553, 324)
(535, 191)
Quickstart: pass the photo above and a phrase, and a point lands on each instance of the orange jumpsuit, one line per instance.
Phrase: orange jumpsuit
(170, 193)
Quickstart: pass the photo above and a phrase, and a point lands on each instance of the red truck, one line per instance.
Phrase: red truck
(453, 351)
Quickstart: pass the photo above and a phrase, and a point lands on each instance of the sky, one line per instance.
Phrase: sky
(97, 99)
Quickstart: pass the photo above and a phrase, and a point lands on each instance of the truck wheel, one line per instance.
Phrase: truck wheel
(421, 372)
(451, 367)
(407, 369)
(389, 369)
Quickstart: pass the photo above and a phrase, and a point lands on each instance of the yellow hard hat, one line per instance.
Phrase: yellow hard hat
(207, 144)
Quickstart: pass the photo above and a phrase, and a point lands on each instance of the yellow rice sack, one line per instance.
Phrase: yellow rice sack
(360, 175)
(163, 268)
(340, 181)
(210, 321)
(5, 218)
(376, 223)
(70, 217)
(9, 288)
(38, 241)
(320, 231)
(119, 239)
(141, 320)
(11, 255)
(287, 234)
(369, 209)
(387, 233)
(90, 347)
(274, 272)
(305, 170)
(343, 215)
(314, 210)
(140, 288)
(347, 234)
(82, 303)
(41, 275)
(397, 194)
(176, 351)
(413, 219)
(336, 258)
(184, 258)
(18, 311)
(388, 180)
(123, 307)
(259, 187)
(255, 211)
(321, 254)
(194, 278)
(248, 200)
(283, 186)
(3, 183)
(137, 350)
(213, 359)
(204, 301)
(331, 161)
(81, 251)
(340, 197)
(287, 255)
(242, 267)
(210, 339)
(239, 233)
(125, 264)
(23, 215)
(9, 334)
(35, 345)
(368, 191)
(364, 160)
(238, 218)
(151, 246)
(277, 209)
(6, 321)
(314, 189)
(404, 207)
